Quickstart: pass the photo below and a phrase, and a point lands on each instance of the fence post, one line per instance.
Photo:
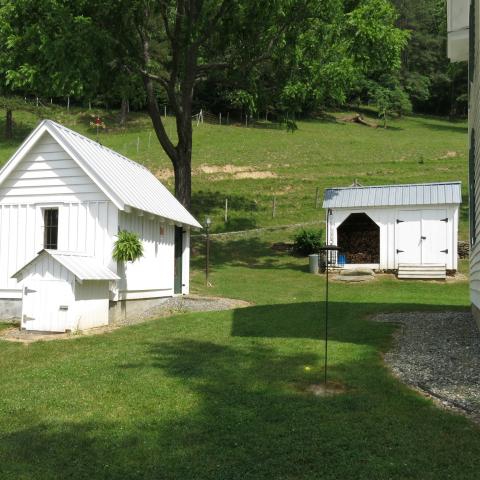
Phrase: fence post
(228, 118)
(316, 197)
(68, 103)
(149, 139)
(220, 117)
(138, 144)
(226, 210)
(274, 206)
(165, 111)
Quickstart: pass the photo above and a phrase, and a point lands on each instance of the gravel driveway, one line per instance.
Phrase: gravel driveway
(438, 353)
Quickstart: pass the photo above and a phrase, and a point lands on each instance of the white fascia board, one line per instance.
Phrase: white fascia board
(23, 150)
(65, 144)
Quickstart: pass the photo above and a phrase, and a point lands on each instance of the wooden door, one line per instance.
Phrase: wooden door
(46, 305)
(408, 236)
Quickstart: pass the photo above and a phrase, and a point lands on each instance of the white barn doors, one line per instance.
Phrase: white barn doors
(422, 237)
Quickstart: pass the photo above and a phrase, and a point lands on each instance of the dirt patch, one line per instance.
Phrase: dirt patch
(328, 390)
(222, 172)
(450, 154)
(164, 173)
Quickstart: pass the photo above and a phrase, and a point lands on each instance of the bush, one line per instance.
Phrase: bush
(128, 247)
(308, 241)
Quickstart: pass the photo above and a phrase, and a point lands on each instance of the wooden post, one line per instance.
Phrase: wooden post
(138, 144)
(316, 197)
(274, 206)
(220, 118)
(226, 210)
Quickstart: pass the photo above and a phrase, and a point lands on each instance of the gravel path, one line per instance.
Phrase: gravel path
(439, 354)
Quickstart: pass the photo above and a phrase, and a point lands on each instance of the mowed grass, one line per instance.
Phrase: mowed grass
(250, 166)
(223, 395)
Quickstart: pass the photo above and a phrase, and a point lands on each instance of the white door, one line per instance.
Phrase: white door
(46, 305)
(434, 236)
(408, 236)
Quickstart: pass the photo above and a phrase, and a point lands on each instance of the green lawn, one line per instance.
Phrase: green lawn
(222, 395)
(321, 154)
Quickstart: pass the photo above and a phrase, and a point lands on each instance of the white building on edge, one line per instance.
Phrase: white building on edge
(63, 199)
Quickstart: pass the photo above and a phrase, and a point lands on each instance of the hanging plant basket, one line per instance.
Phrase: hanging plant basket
(127, 247)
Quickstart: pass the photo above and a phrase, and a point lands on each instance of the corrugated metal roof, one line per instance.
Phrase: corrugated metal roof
(134, 184)
(394, 195)
(83, 267)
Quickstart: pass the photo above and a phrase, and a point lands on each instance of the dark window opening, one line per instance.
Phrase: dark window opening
(50, 228)
(359, 239)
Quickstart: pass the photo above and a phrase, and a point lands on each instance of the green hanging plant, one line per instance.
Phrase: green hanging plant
(127, 247)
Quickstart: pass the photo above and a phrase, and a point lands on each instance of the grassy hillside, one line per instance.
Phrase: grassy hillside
(250, 166)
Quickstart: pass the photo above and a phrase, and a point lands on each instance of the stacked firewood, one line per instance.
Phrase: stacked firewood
(360, 248)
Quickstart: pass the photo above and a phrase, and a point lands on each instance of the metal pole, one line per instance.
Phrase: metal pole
(207, 256)
(326, 319)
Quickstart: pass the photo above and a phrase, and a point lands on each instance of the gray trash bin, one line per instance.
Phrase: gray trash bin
(313, 262)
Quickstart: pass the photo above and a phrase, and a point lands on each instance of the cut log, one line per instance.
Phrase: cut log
(358, 118)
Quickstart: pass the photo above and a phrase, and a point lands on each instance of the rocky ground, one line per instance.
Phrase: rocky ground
(439, 354)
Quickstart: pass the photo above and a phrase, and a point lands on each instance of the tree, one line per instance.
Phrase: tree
(296, 54)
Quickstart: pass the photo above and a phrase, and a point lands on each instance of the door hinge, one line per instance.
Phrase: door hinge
(444, 251)
(399, 251)
(423, 238)
(400, 221)
(444, 220)
(27, 290)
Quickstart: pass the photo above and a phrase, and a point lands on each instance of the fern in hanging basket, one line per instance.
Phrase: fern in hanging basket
(127, 247)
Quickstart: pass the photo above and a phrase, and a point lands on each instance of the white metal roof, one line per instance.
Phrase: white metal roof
(84, 267)
(394, 195)
(125, 182)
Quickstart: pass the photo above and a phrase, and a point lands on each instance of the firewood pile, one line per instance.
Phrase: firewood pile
(463, 249)
(360, 247)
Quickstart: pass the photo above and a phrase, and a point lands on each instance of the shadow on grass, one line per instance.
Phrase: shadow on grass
(240, 411)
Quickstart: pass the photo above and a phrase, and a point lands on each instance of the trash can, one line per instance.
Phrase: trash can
(313, 262)
(342, 259)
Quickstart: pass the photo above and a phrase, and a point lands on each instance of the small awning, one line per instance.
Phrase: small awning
(84, 267)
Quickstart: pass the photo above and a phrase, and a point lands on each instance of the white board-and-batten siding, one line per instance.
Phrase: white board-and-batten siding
(153, 274)
(48, 177)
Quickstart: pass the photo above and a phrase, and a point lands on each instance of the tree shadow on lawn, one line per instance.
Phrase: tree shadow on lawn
(242, 412)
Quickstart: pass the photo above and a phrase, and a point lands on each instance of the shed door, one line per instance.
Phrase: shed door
(46, 305)
(408, 236)
(178, 280)
(434, 236)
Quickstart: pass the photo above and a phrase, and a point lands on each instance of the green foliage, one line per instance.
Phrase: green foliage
(127, 247)
(308, 241)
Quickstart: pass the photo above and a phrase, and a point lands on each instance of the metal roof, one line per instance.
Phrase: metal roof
(394, 195)
(84, 267)
(125, 182)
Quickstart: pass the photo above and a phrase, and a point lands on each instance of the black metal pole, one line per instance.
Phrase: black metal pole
(207, 256)
(326, 321)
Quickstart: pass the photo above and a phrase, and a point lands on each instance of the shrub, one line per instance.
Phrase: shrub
(308, 241)
(127, 247)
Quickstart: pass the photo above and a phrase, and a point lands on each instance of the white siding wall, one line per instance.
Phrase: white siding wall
(386, 218)
(474, 124)
(153, 274)
(186, 263)
(91, 305)
(47, 177)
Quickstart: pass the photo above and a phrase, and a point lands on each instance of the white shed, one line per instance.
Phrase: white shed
(382, 227)
(64, 291)
(64, 192)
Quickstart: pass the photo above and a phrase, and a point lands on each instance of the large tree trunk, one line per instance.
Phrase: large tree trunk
(9, 124)
(183, 179)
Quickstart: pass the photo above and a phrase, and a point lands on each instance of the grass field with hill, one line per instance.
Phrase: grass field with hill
(250, 166)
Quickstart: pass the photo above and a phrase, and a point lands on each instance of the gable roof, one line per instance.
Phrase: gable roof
(83, 267)
(394, 195)
(126, 183)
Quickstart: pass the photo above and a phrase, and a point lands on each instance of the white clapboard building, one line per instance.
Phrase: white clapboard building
(63, 199)
(410, 228)
(463, 24)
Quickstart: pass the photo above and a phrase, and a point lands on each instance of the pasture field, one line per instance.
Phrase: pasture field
(251, 166)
